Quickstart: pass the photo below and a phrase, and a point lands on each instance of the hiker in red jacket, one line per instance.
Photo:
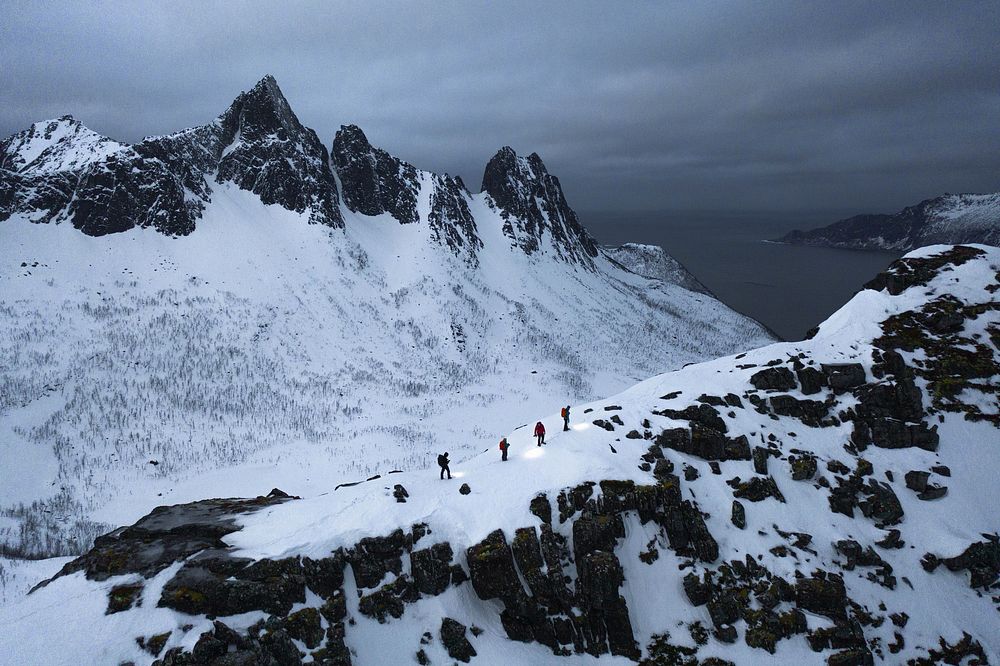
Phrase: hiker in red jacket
(503, 448)
(540, 433)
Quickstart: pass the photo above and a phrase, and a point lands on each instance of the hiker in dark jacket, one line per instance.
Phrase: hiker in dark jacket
(565, 415)
(540, 433)
(503, 449)
(443, 462)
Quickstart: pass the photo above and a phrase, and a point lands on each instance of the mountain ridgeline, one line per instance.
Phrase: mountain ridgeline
(59, 171)
(950, 218)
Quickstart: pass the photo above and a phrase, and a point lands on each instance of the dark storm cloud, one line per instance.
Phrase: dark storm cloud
(839, 105)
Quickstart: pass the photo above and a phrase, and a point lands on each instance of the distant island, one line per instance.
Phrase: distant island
(950, 218)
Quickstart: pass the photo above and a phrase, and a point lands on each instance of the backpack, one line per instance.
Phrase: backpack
(503, 444)
(442, 461)
(563, 413)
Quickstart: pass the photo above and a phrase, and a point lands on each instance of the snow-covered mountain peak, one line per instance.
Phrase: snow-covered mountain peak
(266, 150)
(49, 146)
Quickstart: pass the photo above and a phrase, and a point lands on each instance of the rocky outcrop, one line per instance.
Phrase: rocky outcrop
(533, 207)
(267, 151)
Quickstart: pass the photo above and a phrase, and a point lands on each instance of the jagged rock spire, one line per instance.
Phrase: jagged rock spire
(532, 204)
(268, 151)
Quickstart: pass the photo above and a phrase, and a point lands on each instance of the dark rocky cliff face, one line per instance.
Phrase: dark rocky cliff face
(268, 151)
(374, 182)
(532, 203)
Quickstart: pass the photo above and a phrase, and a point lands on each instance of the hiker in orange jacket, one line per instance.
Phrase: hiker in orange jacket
(503, 449)
(540, 433)
(565, 416)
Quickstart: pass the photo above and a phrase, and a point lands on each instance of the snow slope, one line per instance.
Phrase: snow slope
(140, 369)
(653, 261)
(789, 584)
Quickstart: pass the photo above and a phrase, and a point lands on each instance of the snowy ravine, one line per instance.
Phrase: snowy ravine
(188, 315)
(950, 218)
(826, 501)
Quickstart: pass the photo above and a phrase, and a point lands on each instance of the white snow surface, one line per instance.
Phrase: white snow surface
(62, 144)
(939, 604)
(140, 370)
(654, 262)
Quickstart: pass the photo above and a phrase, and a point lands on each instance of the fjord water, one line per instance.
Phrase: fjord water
(789, 288)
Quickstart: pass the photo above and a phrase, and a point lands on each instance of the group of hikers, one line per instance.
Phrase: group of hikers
(443, 460)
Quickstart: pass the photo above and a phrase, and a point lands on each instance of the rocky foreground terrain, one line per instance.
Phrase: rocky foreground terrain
(950, 218)
(828, 501)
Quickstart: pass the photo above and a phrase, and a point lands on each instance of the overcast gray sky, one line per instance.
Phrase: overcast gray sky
(696, 105)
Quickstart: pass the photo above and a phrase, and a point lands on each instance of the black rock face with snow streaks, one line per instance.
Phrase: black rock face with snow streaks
(374, 182)
(102, 187)
(268, 152)
(532, 203)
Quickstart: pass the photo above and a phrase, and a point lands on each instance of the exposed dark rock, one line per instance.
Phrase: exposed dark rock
(153, 644)
(844, 376)
(399, 492)
(215, 584)
(304, 625)
(491, 568)
(773, 379)
(374, 557)
(810, 412)
(932, 492)
(811, 380)
(431, 568)
(803, 467)
(464, 489)
(822, 593)
(981, 560)
(167, 535)
(325, 576)
(389, 600)
(122, 597)
(739, 516)
(915, 271)
(454, 640)
(760, 456)
(532, 205)
(757, 489)
(541, 507)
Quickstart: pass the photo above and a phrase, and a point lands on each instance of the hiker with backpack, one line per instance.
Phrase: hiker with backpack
(443, 463)
(540, 433)
(565, 416)
(504, 445)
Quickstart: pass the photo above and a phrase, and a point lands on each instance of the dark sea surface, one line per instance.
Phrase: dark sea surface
(788, 288)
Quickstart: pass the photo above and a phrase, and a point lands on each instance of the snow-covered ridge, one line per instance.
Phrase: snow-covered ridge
(951, 218)
(652, 261)
(51, 146)
(825, 501)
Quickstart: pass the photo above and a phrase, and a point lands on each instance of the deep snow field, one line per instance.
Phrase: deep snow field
(138, 369)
